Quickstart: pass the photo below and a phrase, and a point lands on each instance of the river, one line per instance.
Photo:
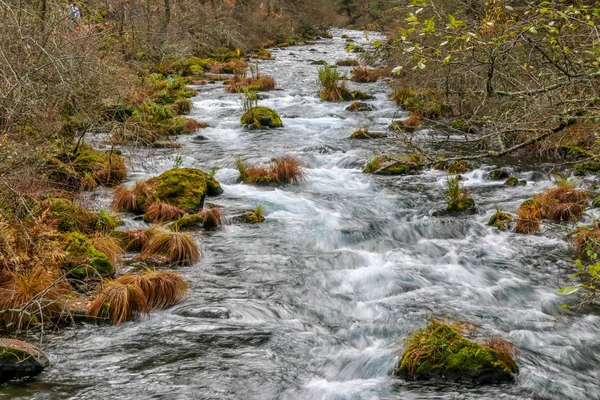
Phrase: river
(313, 303)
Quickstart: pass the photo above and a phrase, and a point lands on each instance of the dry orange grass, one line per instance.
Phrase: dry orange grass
(109, 246)
(363, 74)
(163, 212)
(37, 292)
(287, 169)
(190, 125)
(118, 302)
(508, 351)
(112, 171)
(263, 83)
(124, 200)
(237, 67)
(176, 247)
(413, 121)
(212, 217)
(266, 83)
(162, 289)
(140, 237)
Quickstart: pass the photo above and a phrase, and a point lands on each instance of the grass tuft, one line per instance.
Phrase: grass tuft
(118, 302)
(176, 247)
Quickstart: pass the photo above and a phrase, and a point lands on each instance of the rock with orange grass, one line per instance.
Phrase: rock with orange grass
(562, 203)
(441, 351)
(20, 360)
(174, 192)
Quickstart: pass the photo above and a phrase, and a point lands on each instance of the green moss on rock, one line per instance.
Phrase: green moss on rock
(440, 351)
(182, 187)
(83, 260)
(359, 106)
(386, 165)
(260, 118)
(187, 222)
(73, 217)
(511, 181)
(500, 220)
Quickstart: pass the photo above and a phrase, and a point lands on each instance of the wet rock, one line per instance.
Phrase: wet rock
(200, 138)
(318, 62)
(513, 181)
(441, 352)
(359, 106)
(165, 144)
(205, 312)
(20, 360)
(498, 175)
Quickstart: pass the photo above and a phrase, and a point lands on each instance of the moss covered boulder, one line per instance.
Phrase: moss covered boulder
(261, 118)
(498, 175)
(365, 134)
(20, 360)
(73, 217)
(181, 187)
(440, 351)
(187, 222)
(83, 260)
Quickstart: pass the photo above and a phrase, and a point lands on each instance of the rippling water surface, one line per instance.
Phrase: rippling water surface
(312, 303)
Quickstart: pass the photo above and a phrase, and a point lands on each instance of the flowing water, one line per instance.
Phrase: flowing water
(312, 303)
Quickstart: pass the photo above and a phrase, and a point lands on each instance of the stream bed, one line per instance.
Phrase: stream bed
(312, 303)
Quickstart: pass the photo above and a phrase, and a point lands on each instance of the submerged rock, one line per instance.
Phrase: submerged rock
(440, 351)
(261, 118)
(20, 360)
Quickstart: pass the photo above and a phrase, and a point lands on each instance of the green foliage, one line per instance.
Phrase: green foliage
(254, 216)
(456, 197)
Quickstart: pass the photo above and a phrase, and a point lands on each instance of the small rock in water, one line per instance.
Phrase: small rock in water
(206, 312)
(20, 360)
(199, 138)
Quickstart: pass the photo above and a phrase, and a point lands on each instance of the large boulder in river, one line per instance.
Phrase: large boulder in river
(440, 351)
(185, 188)
(20, 360)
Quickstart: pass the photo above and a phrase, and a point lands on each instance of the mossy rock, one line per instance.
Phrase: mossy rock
(359, 106)
(459, 167)
(20, 360)
(365, 134)
(261, 118)
(500, 220)
(251, 217)
(384, 165)
(187, 222)
(83, 260)
(596, 202)
(182, 187)
(498, 175)
(462, 205)
(439, 351)
(513, 181)
(358, 95)
(318, 62)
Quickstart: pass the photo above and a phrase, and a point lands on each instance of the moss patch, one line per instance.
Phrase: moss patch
(440, 351)
(83, 260)
(500, 220)
(359, 106)
(261, 118)
(183, 187)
